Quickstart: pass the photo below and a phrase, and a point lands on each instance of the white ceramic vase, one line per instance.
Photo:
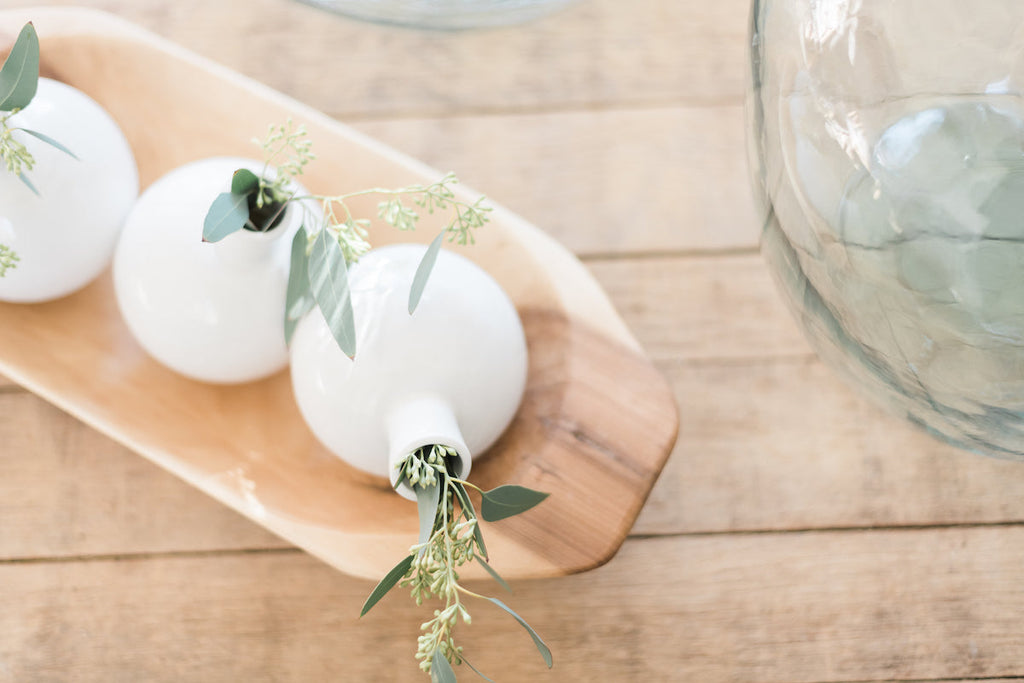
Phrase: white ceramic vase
(452, 373)
(65, 235)
(210, 311)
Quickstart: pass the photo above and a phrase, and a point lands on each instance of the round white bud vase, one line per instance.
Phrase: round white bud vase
(64, 236)
(452, 373)
(212, 311)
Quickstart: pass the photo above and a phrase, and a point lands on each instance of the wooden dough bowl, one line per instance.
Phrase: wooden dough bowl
(594, 429)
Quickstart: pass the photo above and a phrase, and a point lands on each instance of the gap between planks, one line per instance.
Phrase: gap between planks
(987, 679)
(632, 538)
(151, 555)
(596, 257)
(357, 117)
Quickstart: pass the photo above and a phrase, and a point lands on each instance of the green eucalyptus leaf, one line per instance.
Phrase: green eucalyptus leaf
(427, 498)
(467, 505)
(328, 280)
(419, 280)
(545, 652)
(244, 181)
(298, 298)
(226, 215)
(479, 537)
(470, 512)
(508, 501)
(476, 670)
(494, 575)
(24, 178)
(50, 141)
(19, 76)
(440, 669)
(387, 583)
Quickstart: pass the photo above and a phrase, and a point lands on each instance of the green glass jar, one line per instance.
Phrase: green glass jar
(887, 145)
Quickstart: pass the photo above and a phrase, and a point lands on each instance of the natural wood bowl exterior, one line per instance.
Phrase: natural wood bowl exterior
(595, 427)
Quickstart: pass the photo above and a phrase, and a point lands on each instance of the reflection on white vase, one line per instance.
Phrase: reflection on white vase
(452, 373)
(210, 311)
(65, 235)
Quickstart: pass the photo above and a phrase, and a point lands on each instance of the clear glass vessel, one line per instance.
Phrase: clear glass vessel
(887, 145)
(444, 14)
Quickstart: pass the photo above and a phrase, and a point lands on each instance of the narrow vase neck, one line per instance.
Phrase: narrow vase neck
(424, 421)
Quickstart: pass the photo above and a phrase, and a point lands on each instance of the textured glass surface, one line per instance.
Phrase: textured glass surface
(887, 143)
(444, 14)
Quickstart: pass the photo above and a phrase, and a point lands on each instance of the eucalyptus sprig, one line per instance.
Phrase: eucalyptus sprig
(450, 537)
(257, 202)
(8, 259)
(323, 251)
(19, 81)
(289, 142)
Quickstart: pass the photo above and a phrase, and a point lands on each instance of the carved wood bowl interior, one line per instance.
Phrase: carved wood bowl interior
(595, 428)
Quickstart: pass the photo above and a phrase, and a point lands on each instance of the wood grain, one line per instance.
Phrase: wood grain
(786, 445)
(598, 53)
(619, 181)
(68, 490)
(771, 608)
(693, 309)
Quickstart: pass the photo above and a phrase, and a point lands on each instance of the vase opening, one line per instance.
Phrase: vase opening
(268, 217)
(422, 422)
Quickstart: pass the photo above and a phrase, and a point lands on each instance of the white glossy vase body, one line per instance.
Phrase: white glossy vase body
(452, 373)
(65, 235)
(210, 311)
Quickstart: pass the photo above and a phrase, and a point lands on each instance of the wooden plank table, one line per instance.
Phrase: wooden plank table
(796, 535)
